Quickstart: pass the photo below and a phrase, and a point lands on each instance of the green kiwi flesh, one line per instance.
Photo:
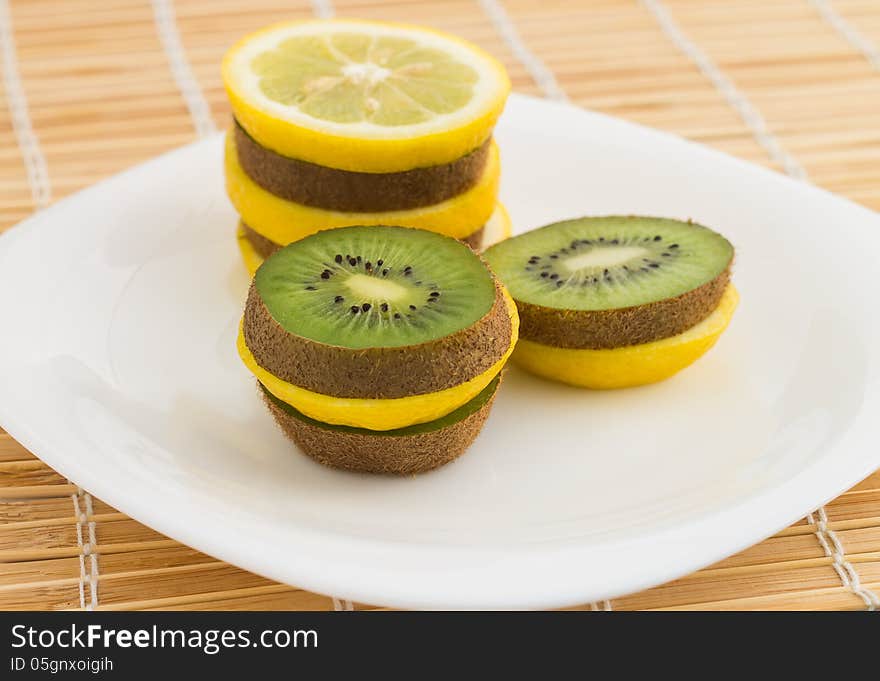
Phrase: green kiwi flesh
(414, 449)
(341, 190)
(609, 282)
(444, 322)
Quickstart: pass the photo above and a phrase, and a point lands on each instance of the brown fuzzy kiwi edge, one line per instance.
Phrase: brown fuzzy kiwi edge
(266, 247)
(387, 454)
(606, 329)
(314, 185)
(378, 373)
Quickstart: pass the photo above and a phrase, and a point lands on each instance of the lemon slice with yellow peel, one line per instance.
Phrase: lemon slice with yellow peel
(631, 365)
(284, 221)
(379, 414)
(362, 95)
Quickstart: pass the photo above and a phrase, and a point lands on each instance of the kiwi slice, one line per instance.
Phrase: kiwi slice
(606, 282)
(413, 449)
(376, 312)
(343, 190)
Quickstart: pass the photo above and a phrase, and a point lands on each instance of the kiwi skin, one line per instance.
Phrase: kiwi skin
(396, 454)
(314, 185)
(606, 329)
(378, 373)
(266, 247)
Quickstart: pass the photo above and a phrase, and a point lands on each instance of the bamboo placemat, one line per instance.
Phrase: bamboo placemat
(91, 87)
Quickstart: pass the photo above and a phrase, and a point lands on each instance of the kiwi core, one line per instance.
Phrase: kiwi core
(604, 257)
(384, 290)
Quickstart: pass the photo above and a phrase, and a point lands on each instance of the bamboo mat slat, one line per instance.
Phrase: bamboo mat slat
(100, 96)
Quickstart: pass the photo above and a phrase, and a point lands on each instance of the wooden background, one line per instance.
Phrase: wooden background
(91, 87)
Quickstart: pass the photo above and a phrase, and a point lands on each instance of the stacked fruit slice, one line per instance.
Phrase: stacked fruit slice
(615, 302)
(378, 348)
(340, 123)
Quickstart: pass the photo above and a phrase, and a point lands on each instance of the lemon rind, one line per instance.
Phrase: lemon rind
(632, 365)
(284, 221)
(423, 146)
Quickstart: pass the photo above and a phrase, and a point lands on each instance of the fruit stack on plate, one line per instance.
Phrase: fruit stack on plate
(340, 123)
(378, 348)
(617, 301)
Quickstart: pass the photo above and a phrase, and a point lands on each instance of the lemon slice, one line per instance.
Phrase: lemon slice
(379, 414)
(631, 365)
(364, 96)
(283, 221)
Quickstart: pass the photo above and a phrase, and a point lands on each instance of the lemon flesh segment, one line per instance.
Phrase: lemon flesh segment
(632, 365)
(364, 96)
(379, 414)
(497, 229)
(284, 221)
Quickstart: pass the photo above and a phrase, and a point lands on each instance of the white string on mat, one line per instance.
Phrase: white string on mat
(41, 191)
(849, 32)
(169, 35)
(82, 556)
(323, 9)
(832, 547)
(536, 68)
(342, 605)
(28, 142)
(752, 118)
(86, 548)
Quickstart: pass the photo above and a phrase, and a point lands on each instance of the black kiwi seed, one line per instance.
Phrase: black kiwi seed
(384, 307)
(352, 261)
(674, 246)
(434, 294)
(544, 275)
(380, 262)
(338, 259)
(359, 260)
(615, 241)
(385, 273)
(326, 274)
(355, 309)
(311, 288)
(554, 257)
(658, 238)
(397, 315)
(368, 266)
(654, 265)
(366, 307)
(413, 307)
(338, 299)
(554, 276)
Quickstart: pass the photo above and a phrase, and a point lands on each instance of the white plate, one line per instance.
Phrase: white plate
(118, 368)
